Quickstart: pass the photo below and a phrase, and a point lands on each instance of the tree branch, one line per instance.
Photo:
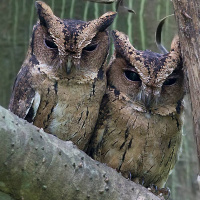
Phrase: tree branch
(37, 165)
(187, 14)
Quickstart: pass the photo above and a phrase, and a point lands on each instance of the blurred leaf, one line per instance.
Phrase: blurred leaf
(121, 8)
(159, 35)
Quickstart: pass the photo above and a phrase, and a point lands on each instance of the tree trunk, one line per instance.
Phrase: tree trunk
(187, 14)
(38, 166)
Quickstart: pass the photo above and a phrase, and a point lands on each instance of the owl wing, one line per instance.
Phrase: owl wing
(94, 148)
(23, 94)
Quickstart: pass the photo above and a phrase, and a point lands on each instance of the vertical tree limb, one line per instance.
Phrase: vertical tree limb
(187, 14)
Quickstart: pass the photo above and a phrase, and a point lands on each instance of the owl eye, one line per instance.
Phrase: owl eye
(133, 76)
(90, 47)
(50, 44)
(170, 81)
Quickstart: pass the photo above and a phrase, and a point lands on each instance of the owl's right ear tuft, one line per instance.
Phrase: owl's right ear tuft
(102, 23)
(45, 13)
(175, 52)
(175, 43)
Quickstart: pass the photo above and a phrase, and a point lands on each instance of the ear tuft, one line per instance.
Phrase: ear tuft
(44, 12)
(175, 45)
(121, 40)
(175, 52)
(105, 20)
(123, 47)
(91, 28)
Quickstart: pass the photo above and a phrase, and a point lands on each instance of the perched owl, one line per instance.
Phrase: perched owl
(62, 81)
(138, 132)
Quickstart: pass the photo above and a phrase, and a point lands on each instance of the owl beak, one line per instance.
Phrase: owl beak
(66, 64)
(147, 99)
(149, 96)
(69, 65)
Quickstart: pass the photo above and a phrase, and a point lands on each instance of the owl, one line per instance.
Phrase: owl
(138, 132)
(62, 80)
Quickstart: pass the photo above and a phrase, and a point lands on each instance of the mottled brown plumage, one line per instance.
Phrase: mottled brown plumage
(61, 83)
(139, 127)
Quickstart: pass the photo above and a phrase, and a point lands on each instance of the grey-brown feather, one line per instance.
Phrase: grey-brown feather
(23, 93)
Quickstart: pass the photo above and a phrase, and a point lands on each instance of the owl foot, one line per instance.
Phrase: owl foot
(130, 176)
(161, 192)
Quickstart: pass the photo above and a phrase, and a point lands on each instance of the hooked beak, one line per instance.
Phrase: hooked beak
(69, 63)
(146, 98)
(149, 97)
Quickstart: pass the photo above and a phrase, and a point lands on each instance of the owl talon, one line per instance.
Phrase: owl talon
(165, 192)
(130, 176)
(153, 188)
(142, 182)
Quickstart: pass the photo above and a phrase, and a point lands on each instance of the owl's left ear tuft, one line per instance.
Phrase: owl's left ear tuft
(45, 13)
(119, 35)
(122, 43)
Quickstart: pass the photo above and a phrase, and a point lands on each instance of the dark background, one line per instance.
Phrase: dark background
(19, 16)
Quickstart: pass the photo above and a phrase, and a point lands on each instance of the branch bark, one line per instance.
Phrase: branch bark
(37, 165)
(187, 14)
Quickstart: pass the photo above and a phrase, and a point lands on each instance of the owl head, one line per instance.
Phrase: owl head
(67, 45)
(147, 79)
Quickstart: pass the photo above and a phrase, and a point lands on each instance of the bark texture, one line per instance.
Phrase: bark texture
(38, 166)
(187, 14)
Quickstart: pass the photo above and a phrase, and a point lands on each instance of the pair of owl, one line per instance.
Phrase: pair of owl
(127, 115)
